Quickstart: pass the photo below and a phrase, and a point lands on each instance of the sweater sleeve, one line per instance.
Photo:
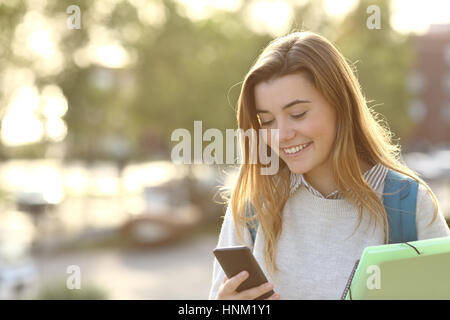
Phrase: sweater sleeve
(227, 237)
(424, 216)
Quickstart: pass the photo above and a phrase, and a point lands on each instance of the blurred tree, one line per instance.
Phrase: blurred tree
(183, 72)
(177, 69)
(381, 58)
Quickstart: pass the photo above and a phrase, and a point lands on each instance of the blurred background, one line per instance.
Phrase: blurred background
(87, 113)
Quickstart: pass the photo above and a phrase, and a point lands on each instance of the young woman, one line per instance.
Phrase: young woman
(325, 204)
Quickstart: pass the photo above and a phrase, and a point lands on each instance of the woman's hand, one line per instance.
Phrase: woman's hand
(227, 290)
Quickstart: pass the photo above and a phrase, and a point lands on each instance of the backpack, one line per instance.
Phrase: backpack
(400, 208)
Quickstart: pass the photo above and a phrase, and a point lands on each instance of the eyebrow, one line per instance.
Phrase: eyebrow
(290, 104)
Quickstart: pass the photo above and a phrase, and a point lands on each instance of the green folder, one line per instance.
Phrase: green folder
(402, 271)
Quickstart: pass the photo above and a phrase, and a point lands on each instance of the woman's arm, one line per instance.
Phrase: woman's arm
(227, 238)
(424, 215)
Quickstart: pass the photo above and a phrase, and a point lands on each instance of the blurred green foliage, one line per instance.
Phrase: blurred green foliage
(186, 70)
(382, 59)
(57, 290)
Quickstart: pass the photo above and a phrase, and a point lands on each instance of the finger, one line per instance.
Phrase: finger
(255, 292)
(224, 279)
(233, 283)
(275, 296)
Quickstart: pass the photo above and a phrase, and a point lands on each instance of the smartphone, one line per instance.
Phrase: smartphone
(239, 258)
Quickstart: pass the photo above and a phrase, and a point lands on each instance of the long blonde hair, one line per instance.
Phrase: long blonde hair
(359, 133)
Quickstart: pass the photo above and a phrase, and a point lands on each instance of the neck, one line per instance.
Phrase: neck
(321, 178)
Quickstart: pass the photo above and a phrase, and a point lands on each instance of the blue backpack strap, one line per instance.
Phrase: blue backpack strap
(400, 206)
(252, 228)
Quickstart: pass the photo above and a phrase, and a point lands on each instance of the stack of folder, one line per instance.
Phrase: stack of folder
(402, 271)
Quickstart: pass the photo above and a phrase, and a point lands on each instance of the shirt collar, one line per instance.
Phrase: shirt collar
(374, 177)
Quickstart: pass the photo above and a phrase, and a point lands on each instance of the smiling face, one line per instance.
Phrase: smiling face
(304, 118)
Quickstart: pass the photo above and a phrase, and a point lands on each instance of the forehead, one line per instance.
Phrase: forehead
(273, 94)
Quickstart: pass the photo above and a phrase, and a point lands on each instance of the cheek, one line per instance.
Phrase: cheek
(321, 131)
(313, 129)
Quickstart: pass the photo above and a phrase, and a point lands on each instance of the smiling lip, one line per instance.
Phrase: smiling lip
(298, 152)
(300, 144)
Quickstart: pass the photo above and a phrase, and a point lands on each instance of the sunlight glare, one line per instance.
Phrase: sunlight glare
(273, 17)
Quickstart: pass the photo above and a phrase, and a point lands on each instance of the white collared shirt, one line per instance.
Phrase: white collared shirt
(374, 177)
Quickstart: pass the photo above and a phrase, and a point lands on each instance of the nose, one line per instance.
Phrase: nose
(286, 133)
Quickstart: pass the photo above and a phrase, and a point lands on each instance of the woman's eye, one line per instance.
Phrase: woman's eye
(266, 123)
(298, 116)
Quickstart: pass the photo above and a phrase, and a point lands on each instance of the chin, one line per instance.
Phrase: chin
(297, 169)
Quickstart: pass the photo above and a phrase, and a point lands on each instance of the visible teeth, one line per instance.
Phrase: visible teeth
(295, 149)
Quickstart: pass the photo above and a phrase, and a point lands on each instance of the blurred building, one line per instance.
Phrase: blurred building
(429, 84)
